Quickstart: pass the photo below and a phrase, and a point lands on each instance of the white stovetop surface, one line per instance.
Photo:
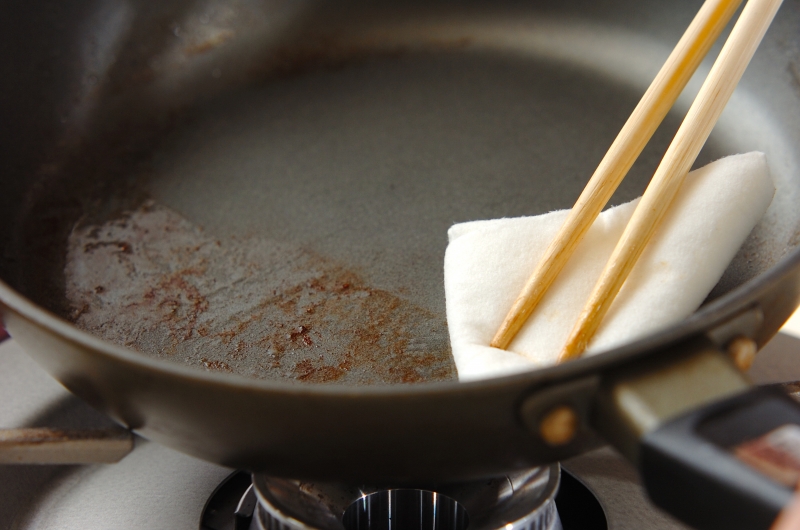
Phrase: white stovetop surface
(158, 488)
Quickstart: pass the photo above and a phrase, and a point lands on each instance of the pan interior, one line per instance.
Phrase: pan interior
(295, 227)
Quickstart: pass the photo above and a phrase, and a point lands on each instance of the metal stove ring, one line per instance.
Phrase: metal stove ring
(523, 500)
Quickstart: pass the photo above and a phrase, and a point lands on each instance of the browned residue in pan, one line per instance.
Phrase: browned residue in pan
(154, 282)
(211, 40)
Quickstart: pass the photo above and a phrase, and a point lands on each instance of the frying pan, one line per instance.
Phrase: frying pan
(337, 143)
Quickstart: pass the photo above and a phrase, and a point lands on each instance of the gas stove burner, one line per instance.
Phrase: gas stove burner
(524, 500)
(405, 508)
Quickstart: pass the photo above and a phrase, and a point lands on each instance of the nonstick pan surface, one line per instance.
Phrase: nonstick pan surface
(228, 230)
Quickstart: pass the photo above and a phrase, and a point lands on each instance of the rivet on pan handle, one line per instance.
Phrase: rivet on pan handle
(558, 417)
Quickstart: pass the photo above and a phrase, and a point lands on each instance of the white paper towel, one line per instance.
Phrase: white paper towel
(488, 262)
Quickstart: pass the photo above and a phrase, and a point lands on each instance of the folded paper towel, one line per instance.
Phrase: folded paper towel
(488, 262)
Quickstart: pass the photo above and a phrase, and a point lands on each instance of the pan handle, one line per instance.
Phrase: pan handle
(712, 450)
(731, 464)
(60, 446)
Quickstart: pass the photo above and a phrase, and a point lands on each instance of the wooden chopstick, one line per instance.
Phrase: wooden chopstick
(681, 154)
(634, 135)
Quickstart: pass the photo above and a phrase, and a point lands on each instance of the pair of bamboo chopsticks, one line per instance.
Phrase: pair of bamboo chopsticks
(690, 138)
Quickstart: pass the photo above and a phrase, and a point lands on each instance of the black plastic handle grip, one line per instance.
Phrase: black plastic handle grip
(731, 464)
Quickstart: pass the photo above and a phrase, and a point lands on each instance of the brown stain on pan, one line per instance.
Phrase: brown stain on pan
(154, 282)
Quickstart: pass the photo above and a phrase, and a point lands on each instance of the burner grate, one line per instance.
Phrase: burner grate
(521, 501)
